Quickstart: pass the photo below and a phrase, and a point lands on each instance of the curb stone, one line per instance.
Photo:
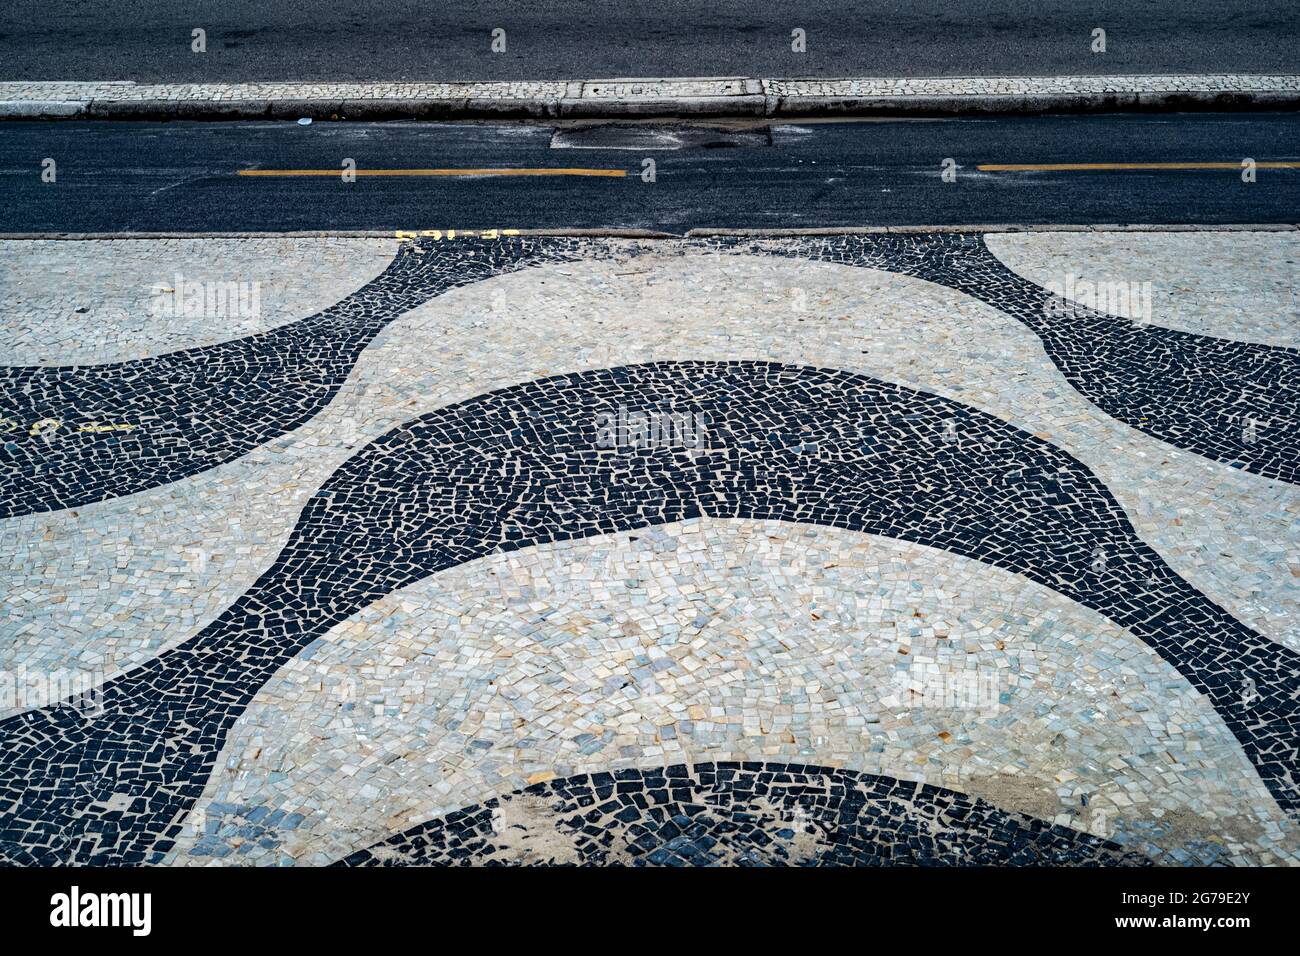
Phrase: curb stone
(699, 233)
(662, 96)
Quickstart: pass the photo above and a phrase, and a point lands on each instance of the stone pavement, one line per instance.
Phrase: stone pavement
(814, 550)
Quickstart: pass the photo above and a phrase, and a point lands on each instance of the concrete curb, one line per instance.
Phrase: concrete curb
(702, 233)
(685, 97)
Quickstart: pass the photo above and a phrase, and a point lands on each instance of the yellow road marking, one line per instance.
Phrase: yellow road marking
(562, 171)
(1078, 167)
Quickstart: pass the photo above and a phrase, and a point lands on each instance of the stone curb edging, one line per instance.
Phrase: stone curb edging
(698, 233)
(695, 96)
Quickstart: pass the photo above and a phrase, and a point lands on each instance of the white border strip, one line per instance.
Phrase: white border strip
(452, 234)
(648, 96)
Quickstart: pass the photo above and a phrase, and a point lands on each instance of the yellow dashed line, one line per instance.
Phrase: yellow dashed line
(1083, 167)
(558, 171)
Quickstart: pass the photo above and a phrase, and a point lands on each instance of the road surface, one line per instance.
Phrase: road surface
(335, 40)
(194, 177)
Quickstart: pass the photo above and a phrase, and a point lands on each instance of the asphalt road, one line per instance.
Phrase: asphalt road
(149, 40)
(185, 177)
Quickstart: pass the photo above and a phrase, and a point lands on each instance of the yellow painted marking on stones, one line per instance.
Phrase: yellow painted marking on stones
(453, 233)
(47, 426)
(1084, 167)
(513, 171)
(95, 427)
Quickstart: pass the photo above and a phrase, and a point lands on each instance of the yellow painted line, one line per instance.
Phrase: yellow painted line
(562, 171)
(1081, 167)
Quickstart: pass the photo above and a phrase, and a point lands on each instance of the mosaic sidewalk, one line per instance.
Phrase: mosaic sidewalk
(852, 550)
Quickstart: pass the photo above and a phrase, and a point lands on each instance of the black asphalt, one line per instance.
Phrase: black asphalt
(450, 39)
(145, 177)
